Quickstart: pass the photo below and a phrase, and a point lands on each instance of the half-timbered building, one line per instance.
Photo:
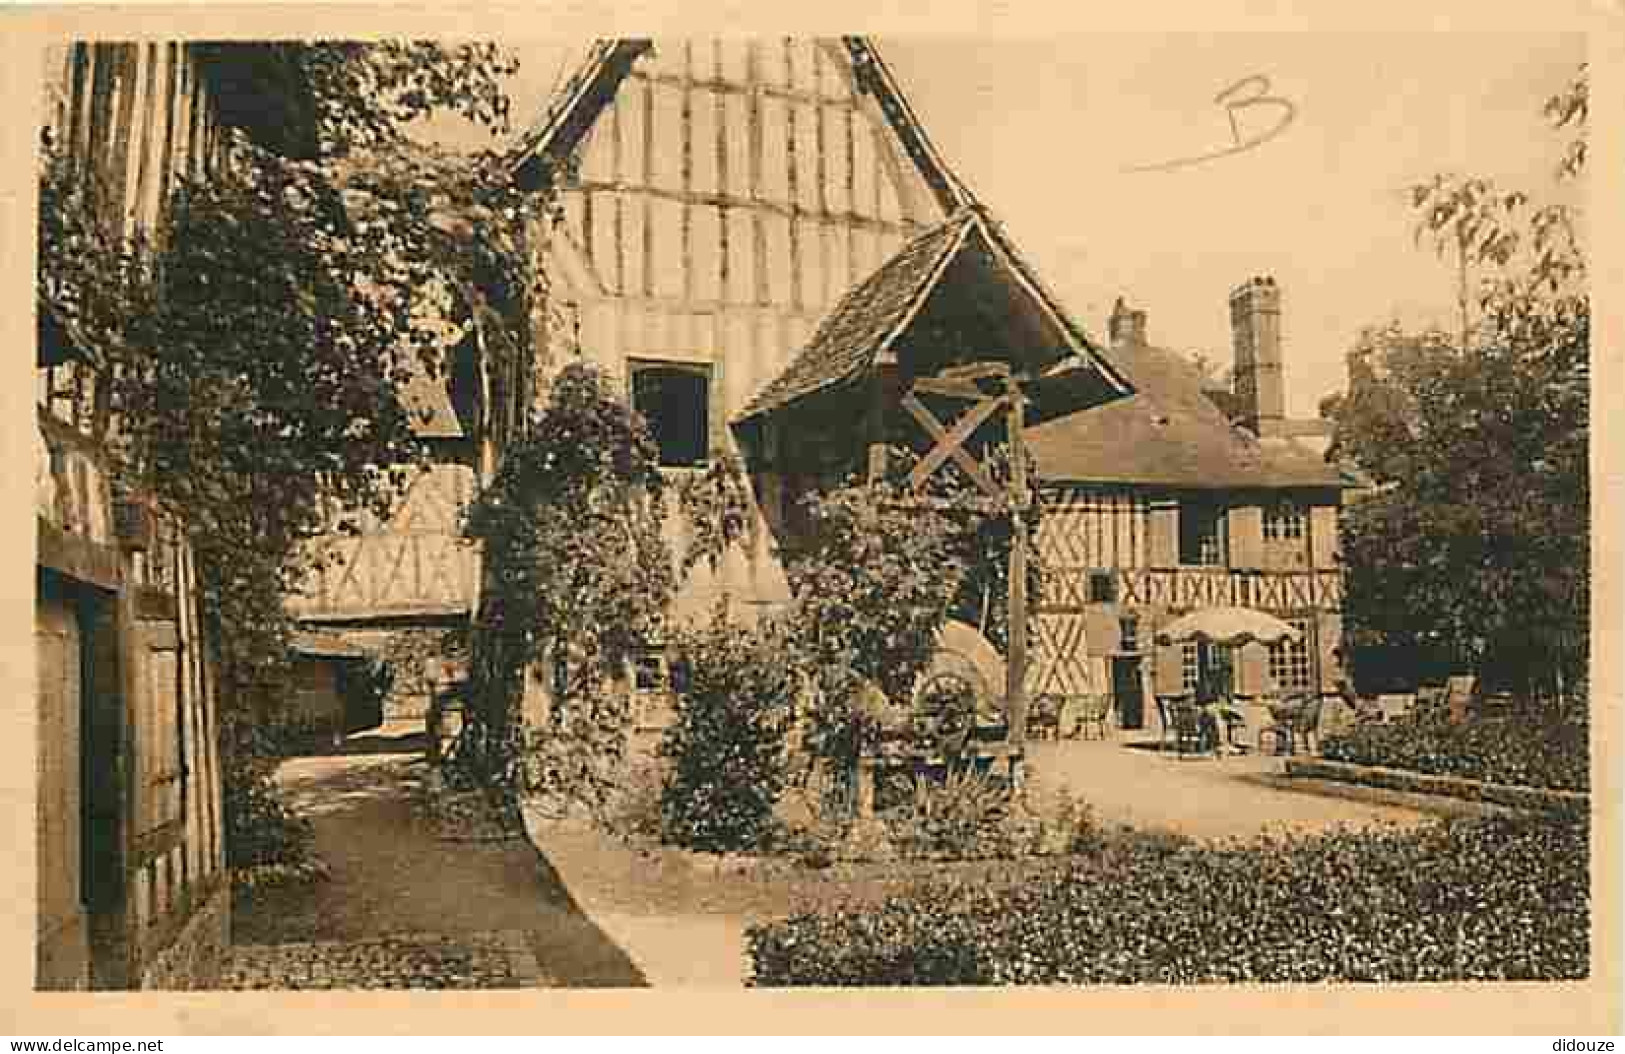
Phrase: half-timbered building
(132, 889)
(1161, 504)
(761, 241)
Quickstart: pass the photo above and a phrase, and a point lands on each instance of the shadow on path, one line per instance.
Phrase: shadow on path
(392, 875)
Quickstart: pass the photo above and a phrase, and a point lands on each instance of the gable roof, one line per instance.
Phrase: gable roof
(1169, 433)
(558, 129)
(865, 324)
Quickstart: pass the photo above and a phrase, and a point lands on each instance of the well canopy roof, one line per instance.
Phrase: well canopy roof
(962, 272)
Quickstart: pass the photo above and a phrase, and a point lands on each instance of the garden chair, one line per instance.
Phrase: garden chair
(1285, 720)
(1306, 726)
(1429, 703)
(1093, 712)
(1185, 723)
(1458, 696)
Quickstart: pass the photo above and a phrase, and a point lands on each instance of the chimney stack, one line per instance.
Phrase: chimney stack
(1255, 323)
(1127, 328)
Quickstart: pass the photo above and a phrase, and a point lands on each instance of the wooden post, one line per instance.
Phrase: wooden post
(1016, 668)
(865, 796)
(875, 428)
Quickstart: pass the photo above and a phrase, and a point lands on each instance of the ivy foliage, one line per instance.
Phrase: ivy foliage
(250, 351)
(578, 574)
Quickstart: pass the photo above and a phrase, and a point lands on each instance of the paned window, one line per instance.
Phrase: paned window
(1291, 668)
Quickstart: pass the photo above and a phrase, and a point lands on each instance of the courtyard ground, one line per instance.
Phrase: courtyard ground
(565, 904)
(1205, 797)
(405, 907)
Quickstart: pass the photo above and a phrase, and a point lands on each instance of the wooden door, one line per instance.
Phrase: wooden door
(1128, 693)
(63, 950)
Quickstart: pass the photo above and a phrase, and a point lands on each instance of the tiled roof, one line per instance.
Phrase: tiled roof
(872, 314)
(1168, 433)
(865, 319)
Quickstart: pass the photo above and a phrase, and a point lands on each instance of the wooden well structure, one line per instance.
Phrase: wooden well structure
(950, 349)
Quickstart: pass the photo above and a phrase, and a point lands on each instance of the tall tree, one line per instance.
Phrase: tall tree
(1474, 547)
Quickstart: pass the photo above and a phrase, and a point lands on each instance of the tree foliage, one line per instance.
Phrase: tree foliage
(1475, 543)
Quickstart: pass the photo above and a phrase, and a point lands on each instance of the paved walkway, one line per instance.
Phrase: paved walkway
(1203, 797)
(680, 923)
(404, 907)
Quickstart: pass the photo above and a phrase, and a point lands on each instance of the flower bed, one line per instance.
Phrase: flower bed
(1549, 754)
(1497, 899)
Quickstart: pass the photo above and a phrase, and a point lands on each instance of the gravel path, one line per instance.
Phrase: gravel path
(406, 907)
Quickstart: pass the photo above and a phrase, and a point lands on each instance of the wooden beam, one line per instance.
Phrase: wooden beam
(1016, 667)
(948, 443)
(975, 371)
(948, 389)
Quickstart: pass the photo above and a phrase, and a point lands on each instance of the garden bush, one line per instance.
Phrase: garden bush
(267, 842)
(1549, 752)
(726, 749)
(968, 815)
(1499, 899)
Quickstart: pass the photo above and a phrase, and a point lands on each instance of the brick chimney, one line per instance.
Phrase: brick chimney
(1127, 328)
(1255, 323)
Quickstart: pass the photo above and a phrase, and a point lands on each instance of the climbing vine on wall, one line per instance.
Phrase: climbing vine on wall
(250, 350)
(579, 575)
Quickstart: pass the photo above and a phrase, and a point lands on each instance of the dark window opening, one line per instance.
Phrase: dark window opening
(1202, 534)
(675, 402)
(649, 672)
(1129, 631)
(1102, 587)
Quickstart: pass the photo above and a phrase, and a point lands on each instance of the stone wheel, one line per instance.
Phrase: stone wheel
(965, 654)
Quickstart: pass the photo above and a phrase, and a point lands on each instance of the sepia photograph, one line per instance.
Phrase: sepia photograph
(848, 511)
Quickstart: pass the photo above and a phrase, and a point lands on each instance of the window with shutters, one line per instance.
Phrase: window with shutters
(674, 399)
(1291, 665)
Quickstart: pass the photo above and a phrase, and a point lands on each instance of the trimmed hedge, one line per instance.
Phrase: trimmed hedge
(1410, 781)
(1499, 899)
(1550, 754)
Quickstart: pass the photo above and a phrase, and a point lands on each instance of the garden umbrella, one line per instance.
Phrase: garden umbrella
(1228, 625)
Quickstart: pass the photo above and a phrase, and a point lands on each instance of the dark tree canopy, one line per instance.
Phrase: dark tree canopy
(1473, 550)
